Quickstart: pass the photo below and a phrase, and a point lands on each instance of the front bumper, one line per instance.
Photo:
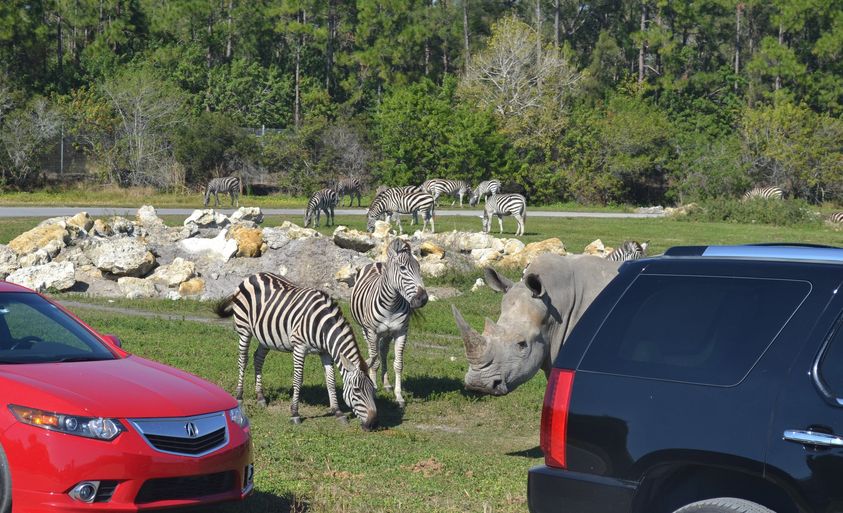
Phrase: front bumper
(561, 491)
(45, 465)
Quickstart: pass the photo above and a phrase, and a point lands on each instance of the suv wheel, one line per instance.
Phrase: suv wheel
(724, 505)
(5, 484)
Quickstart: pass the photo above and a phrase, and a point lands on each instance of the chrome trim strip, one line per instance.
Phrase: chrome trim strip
(175, 427)
(776, 253)
(813, 438)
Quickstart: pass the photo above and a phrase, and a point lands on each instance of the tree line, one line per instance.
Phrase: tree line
(607, 101)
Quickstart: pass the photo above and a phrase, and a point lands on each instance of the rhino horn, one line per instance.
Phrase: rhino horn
(475, 344)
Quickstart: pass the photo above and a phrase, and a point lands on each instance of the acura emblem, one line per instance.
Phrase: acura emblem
(191, 429)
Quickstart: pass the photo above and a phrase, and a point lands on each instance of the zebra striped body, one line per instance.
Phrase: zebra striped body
(382, 300)
(350, 186)
(483, 190)
(767, 193)
(286, 317)
(228, 185)
(629, 250)
(505, 205)
(396, 201)
(323, 200)
(836, 217)
(439, 186)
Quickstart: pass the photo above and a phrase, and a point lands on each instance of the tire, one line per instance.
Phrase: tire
(724, 505)
(5, 484)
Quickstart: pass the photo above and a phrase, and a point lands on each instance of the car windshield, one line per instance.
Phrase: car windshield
(33, 330)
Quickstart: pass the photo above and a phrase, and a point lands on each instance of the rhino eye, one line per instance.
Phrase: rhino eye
(522, 344)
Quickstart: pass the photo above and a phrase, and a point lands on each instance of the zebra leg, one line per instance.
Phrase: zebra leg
(520, 230)
(299, 352)
(318, 212)
(374, 361)
(398, 366)
(242, 361)
(383, 355)
(358, 198)
(331, 384)
(260, 356)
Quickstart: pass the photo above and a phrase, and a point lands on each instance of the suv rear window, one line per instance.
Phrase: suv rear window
(697, 329)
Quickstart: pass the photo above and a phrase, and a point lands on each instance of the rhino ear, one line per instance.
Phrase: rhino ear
(534, 283)
(495, 281)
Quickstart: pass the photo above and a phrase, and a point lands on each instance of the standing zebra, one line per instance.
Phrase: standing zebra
(439, 186)
(396, 201)
(836, 217)
(629, 250)
(382, 300)
(351, 186)
(505, 205)
(286, 317)
(227, 185)
(766, 193)
(323, 200)
(483, 190)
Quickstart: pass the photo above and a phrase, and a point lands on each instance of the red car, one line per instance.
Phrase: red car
(85, 426)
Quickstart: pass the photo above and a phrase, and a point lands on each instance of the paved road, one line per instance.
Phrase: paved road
(130, 212)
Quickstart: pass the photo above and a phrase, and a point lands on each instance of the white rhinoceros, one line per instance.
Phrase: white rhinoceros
(537, 315)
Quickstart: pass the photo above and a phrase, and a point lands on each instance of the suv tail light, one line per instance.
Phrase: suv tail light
(554, 426)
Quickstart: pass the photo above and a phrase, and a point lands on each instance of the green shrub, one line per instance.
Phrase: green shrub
(757, 211)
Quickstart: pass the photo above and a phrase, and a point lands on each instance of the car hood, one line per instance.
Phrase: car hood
(128, 387)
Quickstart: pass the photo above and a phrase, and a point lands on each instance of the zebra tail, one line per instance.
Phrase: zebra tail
(223, 307)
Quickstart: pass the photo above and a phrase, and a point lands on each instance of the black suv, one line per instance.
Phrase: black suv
(709, 379)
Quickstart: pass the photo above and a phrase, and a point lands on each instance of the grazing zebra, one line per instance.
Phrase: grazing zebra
(382, 300)
(227, 185)
(629, 250)
(396, 201)
(350, 186)
(439, 186)
(836, 217)
(323, 200)
(766, 193)
(286, 317)
(485, 189)
(505, 205)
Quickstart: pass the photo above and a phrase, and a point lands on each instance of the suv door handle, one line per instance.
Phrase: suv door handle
(813, 438)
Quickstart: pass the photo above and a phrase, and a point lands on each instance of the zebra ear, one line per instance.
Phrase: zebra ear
(397, 246)
(346, 363)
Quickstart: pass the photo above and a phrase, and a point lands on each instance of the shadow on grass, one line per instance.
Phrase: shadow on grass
(426, 387)
(535, 452)
(258, 502)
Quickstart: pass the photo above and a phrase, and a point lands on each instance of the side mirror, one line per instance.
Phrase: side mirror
(114, 339)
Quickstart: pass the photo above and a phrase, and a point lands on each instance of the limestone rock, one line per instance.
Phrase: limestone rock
(430, 249)
(134, 288)
(173, 274)
(275, 238)
(82, 221)
(121, 225)
(657, 210)
(346, 274)
(433, 268)
(148, 218)
(253, 214)
(122, 257)
(192, 287)
(8, 261)
(39, 237)
(218, 247)
(524, 257)
(102, 229)
(463, 241)
(354, 239)
(382, 229)
(597, 248)
(207, 218)
(294, 231)
(681, 210)
(485, 256)
(478, 284)
(53, 275)
(39, 257)
(513, 246)
(249, 241)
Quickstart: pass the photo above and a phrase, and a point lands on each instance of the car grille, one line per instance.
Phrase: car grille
(105, 491)
(182, 488)
(189, 436)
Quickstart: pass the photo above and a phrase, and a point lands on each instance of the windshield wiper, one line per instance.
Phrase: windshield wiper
(12, 361)
(87, 358)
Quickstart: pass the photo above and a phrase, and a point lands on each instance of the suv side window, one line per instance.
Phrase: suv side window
(697, 329)
(831, 364)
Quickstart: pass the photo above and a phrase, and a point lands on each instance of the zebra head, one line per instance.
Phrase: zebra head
(358, 392)
(376, 209)
(308, 216)
(475, 197)
(403, 272)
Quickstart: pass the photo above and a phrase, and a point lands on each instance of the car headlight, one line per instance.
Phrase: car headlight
(89, 427)
(238, 416)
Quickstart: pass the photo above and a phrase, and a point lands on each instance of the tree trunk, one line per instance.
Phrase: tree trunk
(426, 57)
(465, 32)
(59, 46)
(556, 17)
(738, 10)
(781, 42)
(228, 42)
(643, 47)
(538, 32)
(329, 46)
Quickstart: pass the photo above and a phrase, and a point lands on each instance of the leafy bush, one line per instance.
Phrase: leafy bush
(757, 211)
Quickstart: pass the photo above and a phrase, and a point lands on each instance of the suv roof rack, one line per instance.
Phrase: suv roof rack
(774, 251)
